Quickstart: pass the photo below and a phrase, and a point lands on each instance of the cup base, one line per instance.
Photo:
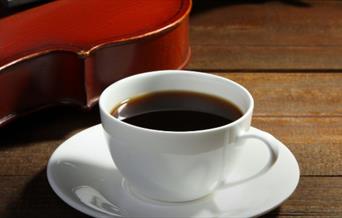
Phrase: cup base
(138, 195)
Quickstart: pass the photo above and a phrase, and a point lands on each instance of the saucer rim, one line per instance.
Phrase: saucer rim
(64, 197)
(94, 213)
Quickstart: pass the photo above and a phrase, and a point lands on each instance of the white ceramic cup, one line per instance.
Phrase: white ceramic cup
(177, 166)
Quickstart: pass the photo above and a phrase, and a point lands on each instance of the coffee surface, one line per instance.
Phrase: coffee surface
(177, 111)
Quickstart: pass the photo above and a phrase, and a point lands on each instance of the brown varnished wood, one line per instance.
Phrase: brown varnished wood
(276, 23)
(66, 52)
(269, 58)
(315, 141)
(266, 35)
(293, 94)
(315, 196)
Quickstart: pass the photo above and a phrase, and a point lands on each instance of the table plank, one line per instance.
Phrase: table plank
(258, 58)
(27, 143)
(293, 94)
(272, 35)
(267, 23)
(316, 142)
(315, 196)
(31, 196)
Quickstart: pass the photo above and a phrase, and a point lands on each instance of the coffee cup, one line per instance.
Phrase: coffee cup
(184, 165)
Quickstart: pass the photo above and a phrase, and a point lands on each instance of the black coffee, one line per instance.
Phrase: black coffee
(177, 111)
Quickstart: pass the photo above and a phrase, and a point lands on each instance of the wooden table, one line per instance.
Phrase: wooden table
(287, 53)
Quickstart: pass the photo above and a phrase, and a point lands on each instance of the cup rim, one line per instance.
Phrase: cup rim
(164, 72)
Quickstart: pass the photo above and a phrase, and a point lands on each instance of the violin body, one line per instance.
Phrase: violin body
(69, 51)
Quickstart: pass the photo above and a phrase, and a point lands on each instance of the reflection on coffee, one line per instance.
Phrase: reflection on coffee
(177, 111)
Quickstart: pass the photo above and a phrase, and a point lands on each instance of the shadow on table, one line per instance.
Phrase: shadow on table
(204, 5)
(272, 214)
(38, 200)
(55, 123)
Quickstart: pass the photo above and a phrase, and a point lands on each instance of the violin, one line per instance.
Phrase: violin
(67, 52)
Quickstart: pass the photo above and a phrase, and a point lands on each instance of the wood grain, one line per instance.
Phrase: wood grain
(31, 196)
(267, 23)
(258, 58)
(314, 196)
(316, 142)
(27, 143)
(272, 35)
(293, 94)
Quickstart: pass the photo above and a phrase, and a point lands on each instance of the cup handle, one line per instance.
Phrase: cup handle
(270, 142)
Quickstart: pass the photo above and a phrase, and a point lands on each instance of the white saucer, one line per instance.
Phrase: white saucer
(82, 173)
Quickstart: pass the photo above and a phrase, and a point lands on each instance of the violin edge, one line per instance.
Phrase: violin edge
(63, 77)
(70, 102)
(82, 52)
